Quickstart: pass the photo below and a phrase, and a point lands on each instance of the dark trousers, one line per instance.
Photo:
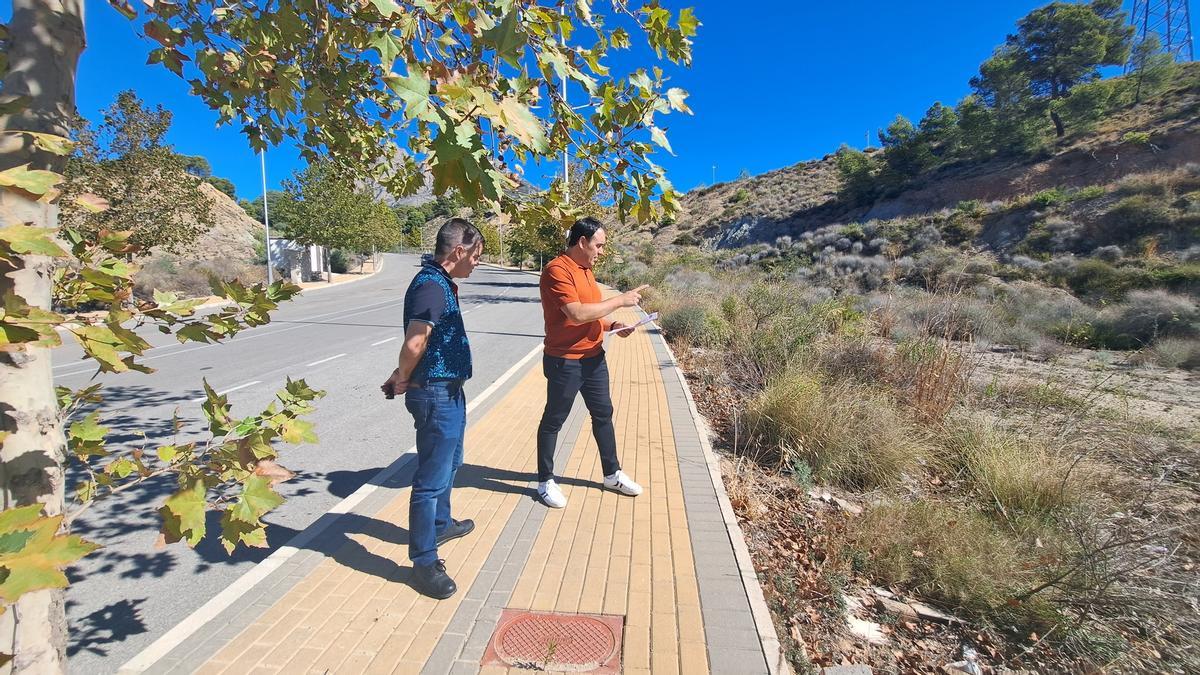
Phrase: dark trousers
(564, 379)
(439, 411)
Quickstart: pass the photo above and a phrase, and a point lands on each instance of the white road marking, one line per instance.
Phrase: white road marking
(209, 610)
(222, 393)
(317, 363)
(240, 338)
(376, 344)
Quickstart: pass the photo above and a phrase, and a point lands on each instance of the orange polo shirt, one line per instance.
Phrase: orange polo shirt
(564, 281)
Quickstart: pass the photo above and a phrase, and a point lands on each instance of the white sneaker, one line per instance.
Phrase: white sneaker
(551, 495)
(623, 484)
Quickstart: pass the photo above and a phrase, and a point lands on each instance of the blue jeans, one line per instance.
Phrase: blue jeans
(439, 411)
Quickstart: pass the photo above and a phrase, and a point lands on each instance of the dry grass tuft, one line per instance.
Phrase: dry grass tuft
(849, 434)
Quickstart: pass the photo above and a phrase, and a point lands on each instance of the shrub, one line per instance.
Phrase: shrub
(686, 239)
(850, 435)
(1098, 279)
(1176, 353)
(1017, 473)
(1136, 137)
(1142, 184)
(1088, 193)
(694, 323)
(971, 207)
(1133, 217)
(190, 279)
(1145, 317)
(953, 555)
(740, 196)
(1047, 198)
(1042, 311)
(1109, 254)
(338, 261)
(960, 228)
(949, 316)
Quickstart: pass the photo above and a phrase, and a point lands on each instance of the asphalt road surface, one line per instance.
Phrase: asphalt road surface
(343, 339)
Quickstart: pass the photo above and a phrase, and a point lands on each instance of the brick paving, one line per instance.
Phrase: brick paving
(665, 561)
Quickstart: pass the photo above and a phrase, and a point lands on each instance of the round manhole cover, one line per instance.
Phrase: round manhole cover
(555, 642)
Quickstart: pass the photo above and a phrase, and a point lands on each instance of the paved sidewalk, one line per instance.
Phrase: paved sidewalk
(668, 564)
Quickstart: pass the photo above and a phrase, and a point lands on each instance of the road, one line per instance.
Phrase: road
(343, 339)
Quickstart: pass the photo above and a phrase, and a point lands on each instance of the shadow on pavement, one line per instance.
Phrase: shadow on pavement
(113, 623)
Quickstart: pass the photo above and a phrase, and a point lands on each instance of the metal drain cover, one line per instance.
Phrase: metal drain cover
(581, 643)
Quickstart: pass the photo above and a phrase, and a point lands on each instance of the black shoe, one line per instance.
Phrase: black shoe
(456, 529)
(433, 581)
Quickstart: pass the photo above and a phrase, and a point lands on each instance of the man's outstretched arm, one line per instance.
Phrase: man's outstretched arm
(580, 313)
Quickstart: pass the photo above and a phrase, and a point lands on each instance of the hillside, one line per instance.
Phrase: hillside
(233, 235)
(804, 197)
(227, 250)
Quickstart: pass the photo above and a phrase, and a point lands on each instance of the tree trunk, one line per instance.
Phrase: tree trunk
(46, 39)
(1059, 129)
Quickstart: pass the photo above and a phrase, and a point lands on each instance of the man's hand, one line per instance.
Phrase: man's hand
(394, 385)
(634, 297)
(622, 329)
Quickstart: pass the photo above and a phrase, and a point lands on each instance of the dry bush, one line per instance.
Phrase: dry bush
(953, 555)
(190, 278)
(1176, 353)
(849, 434)
(1145, 317)
(934, 375)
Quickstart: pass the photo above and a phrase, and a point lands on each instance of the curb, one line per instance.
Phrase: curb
(214, 301)
(776, 661)
(343, 283)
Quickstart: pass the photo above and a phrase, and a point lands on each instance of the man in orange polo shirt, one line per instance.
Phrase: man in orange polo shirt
(573, 359)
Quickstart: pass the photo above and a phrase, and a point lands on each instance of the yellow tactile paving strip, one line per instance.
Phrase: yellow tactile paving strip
(604, 553)
(340, 619)
(610, 554)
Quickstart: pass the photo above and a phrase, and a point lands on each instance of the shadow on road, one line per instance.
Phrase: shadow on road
(113, 623)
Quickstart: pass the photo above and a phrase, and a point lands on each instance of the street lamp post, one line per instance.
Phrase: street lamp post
(262, 154)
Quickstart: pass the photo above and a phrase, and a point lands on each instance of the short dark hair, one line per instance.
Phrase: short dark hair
(584, 227)
(456, 232)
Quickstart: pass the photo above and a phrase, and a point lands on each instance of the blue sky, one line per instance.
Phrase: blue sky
(789, 82)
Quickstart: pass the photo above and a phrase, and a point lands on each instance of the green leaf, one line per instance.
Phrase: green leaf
(508, 38)
(298, 431)
(413, 90)
(35, 182)
(256, 500)
(89, 429)
(688, 23)
(167, 453)
(183, 514)
(12, 542)
(520, 121)
(85, 491)
(388, 46)
(86, 437)
(28, 240)
(23, 324)
(386, 7)
(121, 467)
(34, 553)
(234, 532)
(56, 145)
